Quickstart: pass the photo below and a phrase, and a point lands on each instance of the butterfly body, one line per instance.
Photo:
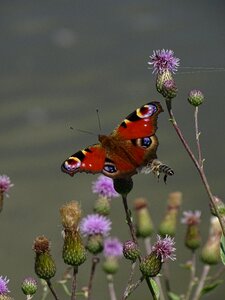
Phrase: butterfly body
(131, 145)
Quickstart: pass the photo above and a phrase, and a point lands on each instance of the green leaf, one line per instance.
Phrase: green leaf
(222, 249)
(173, 296)
(209, 287)
(155, 288)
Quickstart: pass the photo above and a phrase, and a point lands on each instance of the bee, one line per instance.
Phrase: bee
(158, 168)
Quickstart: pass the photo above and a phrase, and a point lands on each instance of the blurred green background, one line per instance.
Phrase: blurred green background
(60, 60)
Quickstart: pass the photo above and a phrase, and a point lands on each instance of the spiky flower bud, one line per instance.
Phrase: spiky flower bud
(95, 244)
(151, 265)
(102, 206)
(131, 250)
(193, 237)
(44, 264)
(168, 224)
(74, 252)
(123, 186)
(211, 251)
(29, 286)
(220, 208)
(70, 215)
(195, 97)
(169, 89)
(165, 76)
(110, 265)
(144, 225)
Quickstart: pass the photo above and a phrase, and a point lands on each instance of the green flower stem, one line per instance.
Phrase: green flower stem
(195, 161)
(74, 283)
(111, 288)
(132, 288)
(192, 276)
(1, 200)
(197, 135)
(129, 221)
(201, 283)
(29, 297)
(51, 289)
(133, 235)
(95, 261)
(129, 283)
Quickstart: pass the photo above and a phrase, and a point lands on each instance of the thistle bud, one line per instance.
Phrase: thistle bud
(195, 97)
(74, 253)
(102, 206)
(211, 251)
(110, 265)
(123, 186)
(151, 265)
(144, 225)
(44, 264)
(95, 244)
(165, 76)
(220, 208)
(169, 89)
(29, 286)
(131, 250)
(168, 224)
(193, 237)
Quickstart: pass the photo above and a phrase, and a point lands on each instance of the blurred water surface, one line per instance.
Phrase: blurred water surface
(60, 60)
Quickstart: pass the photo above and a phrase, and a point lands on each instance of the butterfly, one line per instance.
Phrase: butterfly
(131, 146)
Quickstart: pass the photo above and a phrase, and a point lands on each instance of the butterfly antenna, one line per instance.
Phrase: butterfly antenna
(81, 130)
(99, 122)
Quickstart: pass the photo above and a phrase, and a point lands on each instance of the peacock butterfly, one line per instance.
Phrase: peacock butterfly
(129, 147)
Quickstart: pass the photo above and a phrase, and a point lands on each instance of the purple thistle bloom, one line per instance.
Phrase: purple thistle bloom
(164, 60)
(95, 224)
(104, 187)
(3, 285)
(191, 217)
(113, 247)
(5, 184)
(164, 248)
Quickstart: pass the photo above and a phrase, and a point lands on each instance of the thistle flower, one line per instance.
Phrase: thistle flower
(29, 286)
(163, 249)
(191, 217)
(169, 222)
(95, 224)
(144, 225)
(113, 249)
(164, 60)
(103, 186)
(195, 97)
(70, 215)
(3, 285)
(5, 184)
(44, 264)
